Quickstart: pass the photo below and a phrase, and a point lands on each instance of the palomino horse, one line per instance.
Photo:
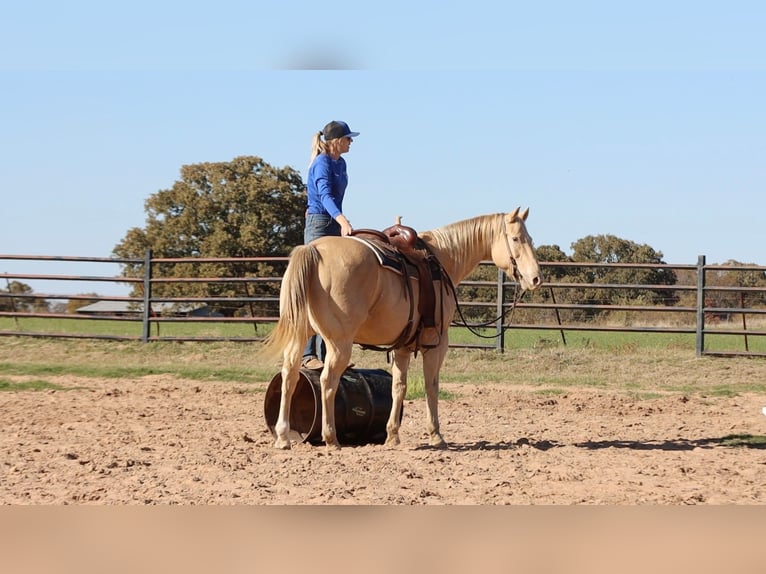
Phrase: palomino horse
(335, 286)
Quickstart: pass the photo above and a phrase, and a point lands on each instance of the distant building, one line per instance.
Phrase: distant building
(128, 309)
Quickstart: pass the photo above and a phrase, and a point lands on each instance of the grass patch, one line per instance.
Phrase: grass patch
(744, 440)
(646, 396)
(121, 359)
(620, 342)
(416, 389)
(132, 328)
(34, 385)
(548, 392)
(125, 372)
(729, 389)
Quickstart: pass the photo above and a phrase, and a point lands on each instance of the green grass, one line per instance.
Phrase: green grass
(34, 385)
(612, 340)
(132, 329)
(541, 338)
(200, 373)
(416, 388)
(746, 440)
(220, 361)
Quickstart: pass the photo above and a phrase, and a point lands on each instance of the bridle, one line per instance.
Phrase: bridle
(511, 259)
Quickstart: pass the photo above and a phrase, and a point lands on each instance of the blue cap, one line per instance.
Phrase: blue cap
(335, 130)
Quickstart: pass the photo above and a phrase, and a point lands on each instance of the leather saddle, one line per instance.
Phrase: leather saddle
(399, 248)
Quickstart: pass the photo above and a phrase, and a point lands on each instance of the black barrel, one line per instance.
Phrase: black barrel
(362, 406)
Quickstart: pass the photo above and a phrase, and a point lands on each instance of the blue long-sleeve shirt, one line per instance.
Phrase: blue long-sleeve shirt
(327, 182)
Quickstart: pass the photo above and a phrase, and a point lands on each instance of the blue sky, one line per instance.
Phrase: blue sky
(642, 120)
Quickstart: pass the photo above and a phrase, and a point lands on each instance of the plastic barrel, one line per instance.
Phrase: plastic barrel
(362, 406)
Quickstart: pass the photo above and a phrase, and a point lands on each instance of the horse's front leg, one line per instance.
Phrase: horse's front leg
(289, 380)
(398, 391)
(432, 362)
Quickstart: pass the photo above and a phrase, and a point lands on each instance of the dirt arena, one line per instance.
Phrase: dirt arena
(160, 440)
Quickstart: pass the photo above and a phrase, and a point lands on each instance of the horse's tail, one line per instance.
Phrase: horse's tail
(293, 327)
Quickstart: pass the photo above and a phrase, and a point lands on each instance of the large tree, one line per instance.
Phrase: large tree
(241, 208)
(605, 249)
(612, 249)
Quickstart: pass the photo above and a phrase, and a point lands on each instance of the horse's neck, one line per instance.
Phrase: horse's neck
(466, 267)
(458, 262)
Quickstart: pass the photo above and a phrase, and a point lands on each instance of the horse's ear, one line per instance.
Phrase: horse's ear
(524, 214)
(513, 215)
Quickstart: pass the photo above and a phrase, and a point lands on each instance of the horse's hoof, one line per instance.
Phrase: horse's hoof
(392, 441)
(332, 446)
(282, 444)
(438, 442)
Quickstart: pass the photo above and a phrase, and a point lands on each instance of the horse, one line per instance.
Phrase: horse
(335, 286)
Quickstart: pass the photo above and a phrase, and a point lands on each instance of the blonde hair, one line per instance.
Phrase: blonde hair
(320, 146)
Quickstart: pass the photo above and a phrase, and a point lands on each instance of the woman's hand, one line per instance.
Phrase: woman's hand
(345, 225)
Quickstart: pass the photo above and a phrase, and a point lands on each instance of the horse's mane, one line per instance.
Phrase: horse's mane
(464, 238)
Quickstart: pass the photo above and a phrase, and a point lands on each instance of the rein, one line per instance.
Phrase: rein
(516, 298)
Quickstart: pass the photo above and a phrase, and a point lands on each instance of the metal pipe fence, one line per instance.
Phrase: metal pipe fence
(701, 301)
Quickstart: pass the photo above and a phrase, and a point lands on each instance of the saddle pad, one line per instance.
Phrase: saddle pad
(387, 256)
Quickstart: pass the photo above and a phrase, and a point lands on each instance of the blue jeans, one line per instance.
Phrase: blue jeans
(318, 225)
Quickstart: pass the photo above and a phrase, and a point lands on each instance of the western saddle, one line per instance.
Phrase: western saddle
(401, 248)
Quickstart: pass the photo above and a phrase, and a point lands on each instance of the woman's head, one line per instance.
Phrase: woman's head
(335, 139)
(336, 130)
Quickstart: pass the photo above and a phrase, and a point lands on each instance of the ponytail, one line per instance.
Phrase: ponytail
(317, 146)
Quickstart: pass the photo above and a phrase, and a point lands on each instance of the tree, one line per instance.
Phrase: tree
(606, 249)
(22, 303)
(611, 249)
(552, 254)
(551, 274)
(731, 279)
(242, 208)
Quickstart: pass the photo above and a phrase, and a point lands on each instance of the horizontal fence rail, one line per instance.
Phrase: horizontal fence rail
(703, 301)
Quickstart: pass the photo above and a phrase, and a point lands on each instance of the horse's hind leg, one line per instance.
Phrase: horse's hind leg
(290, 368)
(336, 361)
(398, 390)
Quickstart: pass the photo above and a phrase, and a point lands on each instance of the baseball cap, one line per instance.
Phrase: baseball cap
(335, 130)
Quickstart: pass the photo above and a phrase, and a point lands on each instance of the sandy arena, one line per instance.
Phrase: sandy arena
(160, 440)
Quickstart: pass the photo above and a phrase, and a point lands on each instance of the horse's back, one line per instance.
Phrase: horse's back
(352, 285)
(346, 264)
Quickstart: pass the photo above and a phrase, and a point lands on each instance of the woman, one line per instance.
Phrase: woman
(327, 182)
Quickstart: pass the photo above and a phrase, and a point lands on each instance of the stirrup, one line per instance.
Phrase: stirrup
(312, 364)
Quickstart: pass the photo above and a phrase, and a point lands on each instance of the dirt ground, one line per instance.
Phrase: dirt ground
(160, 440)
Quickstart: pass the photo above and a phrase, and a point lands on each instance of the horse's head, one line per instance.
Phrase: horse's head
(514, 253)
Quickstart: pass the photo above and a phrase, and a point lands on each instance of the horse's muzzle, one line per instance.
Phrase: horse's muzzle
(530, 284)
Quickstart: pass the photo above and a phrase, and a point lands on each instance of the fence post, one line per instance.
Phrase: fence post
(500, 341)
(700, 344)
(146, 326)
